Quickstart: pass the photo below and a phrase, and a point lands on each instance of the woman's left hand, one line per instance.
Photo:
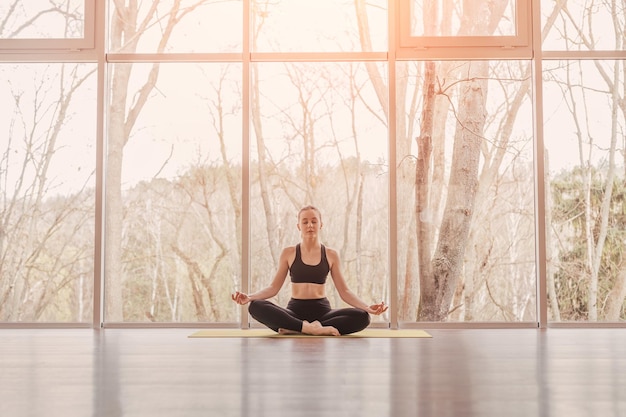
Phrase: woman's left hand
(377, 309)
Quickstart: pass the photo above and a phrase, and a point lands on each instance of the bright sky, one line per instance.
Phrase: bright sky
(178, 120)
(47, 25)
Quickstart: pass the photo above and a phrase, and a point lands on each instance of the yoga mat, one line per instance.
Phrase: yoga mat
(378, 333)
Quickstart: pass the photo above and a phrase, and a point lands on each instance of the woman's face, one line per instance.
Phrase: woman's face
(309, 223)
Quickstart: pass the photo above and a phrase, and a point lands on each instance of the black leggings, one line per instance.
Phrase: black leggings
(345, 320)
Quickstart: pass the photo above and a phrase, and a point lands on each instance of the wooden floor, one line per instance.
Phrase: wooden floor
(162, 372)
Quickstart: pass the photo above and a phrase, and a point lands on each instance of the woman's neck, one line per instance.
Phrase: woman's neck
(311, 243)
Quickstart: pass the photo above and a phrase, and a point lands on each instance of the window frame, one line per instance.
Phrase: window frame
(465, 47)
(62, 44)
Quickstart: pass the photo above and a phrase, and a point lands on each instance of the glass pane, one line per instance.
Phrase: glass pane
(465, 167)
(176, 26)
(584, 131)
(319, 26)
(47, 196)
(584, 25)
(320, 137)
(463, 18)
(59, 19)
(173, 197)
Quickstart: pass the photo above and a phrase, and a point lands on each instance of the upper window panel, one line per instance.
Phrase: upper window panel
(584, 25)
(319, 26)
(473, 23)
(176, 26)
(52, 24)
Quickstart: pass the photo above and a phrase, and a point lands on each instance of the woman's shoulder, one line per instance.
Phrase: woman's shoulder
(330, 252)
(289, 252)
(287, 256)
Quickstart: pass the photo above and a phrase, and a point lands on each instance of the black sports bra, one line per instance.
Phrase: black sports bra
(315, 274)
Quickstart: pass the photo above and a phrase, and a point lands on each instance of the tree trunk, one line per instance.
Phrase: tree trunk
(448, 258)
(255, 110)
(609, 184)
(551, 250)
(616, 297)
(125, 33)
(114, 219)
(409, 294)
(195, 274)
(422, 182)
(230, 177)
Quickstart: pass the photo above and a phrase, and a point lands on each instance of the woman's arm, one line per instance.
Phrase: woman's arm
(342, 288)
(274, 287)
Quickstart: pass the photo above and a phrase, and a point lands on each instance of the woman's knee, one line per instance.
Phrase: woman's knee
(360, 319)
(256, 306)
(364, 318)
(253, 306)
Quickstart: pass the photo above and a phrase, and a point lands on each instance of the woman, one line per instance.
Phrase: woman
(309, 311)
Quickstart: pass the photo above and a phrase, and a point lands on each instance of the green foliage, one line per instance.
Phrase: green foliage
(569, 223)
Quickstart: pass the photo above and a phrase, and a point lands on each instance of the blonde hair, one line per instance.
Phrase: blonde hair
(310, 207)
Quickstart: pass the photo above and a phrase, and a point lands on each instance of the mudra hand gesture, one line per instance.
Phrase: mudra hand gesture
(377, 309)
(240, 298)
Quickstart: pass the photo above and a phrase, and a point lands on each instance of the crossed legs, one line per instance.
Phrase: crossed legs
(309, 316)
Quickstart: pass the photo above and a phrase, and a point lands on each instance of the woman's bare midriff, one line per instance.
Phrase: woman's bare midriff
(307, 291)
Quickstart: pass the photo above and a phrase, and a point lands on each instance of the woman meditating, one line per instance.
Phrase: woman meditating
(309, 311)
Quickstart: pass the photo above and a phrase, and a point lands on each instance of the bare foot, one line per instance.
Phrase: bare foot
(315, 328)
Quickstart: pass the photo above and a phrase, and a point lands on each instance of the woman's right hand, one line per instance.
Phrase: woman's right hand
(240, 298)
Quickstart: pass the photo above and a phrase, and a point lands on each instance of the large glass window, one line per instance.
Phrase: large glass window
(53, 24)
(583, 25)
(451, 18)
(586, 238)
(465, 192)
(169, 26)
(412, 132)
(320, 137)
(319, 26)
(436, 23)
(173, 196)
(47, 195)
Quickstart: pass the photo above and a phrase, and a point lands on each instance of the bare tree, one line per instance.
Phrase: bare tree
(440, 272)
(43, 244)
(127, 27)
(257, 21)
(407, 95)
